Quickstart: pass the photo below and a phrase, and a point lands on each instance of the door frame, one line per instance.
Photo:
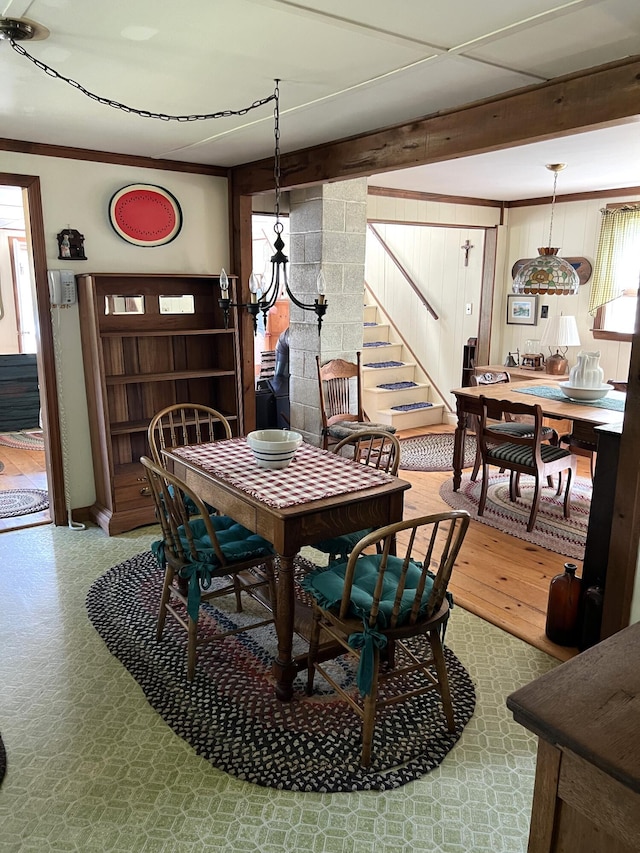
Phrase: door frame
(34, 232)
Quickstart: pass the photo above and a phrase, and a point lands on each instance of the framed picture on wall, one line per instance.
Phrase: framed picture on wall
(522, 310)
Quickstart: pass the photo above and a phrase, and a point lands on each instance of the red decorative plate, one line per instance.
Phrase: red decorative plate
(145, 215)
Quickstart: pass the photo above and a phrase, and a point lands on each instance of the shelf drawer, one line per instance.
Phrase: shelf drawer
(131, 488)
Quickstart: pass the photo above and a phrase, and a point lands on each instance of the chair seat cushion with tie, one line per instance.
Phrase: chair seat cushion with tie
(195, 550)
(340, 389)
(380, 601)
(375, 449)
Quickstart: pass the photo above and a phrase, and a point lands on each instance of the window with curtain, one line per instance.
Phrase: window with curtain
(616, 275)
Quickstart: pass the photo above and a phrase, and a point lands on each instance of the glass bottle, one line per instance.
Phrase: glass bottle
(562, 609)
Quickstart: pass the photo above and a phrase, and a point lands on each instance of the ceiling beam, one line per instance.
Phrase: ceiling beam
(608, 94)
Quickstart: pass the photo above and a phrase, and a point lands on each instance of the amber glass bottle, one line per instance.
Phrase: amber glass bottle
(562, 610)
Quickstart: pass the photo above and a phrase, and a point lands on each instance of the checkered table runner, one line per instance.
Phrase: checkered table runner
(313, 473)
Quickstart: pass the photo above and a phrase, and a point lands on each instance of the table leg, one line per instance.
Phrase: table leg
(284, 668)
(458, 447)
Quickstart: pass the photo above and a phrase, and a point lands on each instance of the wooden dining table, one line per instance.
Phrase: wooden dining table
(318, 496)
(548, 395)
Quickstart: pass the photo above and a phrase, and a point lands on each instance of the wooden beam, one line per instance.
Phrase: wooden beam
(608, 94)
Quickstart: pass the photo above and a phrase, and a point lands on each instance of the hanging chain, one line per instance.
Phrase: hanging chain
(108, 102)
(276, 157)
(553, 204)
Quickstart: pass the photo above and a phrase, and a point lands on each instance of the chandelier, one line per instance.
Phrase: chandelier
(263, 296)
(548, 274)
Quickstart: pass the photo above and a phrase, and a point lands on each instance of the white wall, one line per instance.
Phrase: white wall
(434, 259)
(76, 194)
(8, 324)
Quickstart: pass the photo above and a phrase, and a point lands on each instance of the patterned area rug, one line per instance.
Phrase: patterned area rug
(552, 531)
(28, 439)
(15, 502)
(229, 713)
(434, 452)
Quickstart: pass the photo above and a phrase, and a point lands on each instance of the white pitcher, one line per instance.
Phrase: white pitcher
(587, 373)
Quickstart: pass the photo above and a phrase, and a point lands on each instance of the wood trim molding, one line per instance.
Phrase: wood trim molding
(587, 99)
(618, 191)
(414, 195)
(43, 149)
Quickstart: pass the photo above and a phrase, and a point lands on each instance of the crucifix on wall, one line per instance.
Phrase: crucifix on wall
(466, 247)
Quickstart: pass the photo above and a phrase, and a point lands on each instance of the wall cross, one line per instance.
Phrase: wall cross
(466, 246)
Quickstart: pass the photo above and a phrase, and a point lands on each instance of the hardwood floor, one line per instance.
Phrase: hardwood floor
(498, 577)
(23, 469)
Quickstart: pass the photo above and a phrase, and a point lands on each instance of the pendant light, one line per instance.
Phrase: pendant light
(548, 274)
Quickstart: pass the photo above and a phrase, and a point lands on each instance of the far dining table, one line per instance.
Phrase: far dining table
(318, 496)
(554, 405)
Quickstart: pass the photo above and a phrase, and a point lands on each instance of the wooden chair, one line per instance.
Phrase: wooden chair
(185, 423)
(373, 605)
(521, 454)
(510, 425)
(371, 447)
(196, 550)
(340, 389)
(580, 440)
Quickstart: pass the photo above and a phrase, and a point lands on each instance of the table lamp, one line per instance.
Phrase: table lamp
(561, 333)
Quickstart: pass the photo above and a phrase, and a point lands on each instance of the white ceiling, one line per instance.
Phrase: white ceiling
(346, 68)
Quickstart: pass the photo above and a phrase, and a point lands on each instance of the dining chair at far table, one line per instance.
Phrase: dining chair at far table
(521, 454)
(375, 449)
(389, 613)
(195, 551)
(511, 425)
(581, 441)
(340, 392)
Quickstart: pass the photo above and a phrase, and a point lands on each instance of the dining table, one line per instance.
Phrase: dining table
(319, 495)
(555, 405)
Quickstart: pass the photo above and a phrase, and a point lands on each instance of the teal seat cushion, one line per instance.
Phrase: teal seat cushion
(344, 429)
(326, 586)
(235, 541)
(343, 545)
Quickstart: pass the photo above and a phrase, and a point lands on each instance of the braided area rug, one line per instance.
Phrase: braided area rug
(434, 452)
(229, 713)
(14, 502)
(28, 439)
(552, 531)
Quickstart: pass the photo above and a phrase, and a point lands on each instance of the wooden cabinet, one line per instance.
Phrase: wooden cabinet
(149, 341)
(585, 712)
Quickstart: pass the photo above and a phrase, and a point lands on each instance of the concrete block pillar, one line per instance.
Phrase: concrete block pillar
(327, 227)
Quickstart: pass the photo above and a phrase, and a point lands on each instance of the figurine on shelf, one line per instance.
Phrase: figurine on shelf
(71, 245)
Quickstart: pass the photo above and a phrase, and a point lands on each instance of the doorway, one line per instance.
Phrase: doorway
(26, 344)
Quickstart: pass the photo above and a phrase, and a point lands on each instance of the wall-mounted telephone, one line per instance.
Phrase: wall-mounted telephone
(62, 287)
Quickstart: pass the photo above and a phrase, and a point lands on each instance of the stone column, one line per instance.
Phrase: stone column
(327, 227)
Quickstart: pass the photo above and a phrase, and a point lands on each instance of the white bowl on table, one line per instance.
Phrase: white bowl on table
(274, 448)
(585, 395)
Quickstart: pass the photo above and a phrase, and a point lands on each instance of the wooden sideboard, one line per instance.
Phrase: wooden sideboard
(586, 713)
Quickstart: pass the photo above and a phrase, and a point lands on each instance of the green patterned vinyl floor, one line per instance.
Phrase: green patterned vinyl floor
(92, 768)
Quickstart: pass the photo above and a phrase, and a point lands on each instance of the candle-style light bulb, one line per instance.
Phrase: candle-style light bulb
(224, 283)
(321, 284)
(255, 286)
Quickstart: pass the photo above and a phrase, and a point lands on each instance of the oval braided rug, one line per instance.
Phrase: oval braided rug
(14, 502)
(229, 713)
(551, 531)
(434, 452)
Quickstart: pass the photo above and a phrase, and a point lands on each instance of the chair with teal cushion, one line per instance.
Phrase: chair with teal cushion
(376, 449)
(185, 423)
(194, 551)
(389, 612)
(521, 454)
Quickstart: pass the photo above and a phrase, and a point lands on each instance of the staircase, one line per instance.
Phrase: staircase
(395, 391)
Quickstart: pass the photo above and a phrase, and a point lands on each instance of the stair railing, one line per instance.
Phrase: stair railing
(403, 271)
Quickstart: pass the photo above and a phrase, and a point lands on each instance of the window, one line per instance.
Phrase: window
(614, 292)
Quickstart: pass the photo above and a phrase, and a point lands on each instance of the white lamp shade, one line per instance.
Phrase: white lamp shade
(561, 331)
